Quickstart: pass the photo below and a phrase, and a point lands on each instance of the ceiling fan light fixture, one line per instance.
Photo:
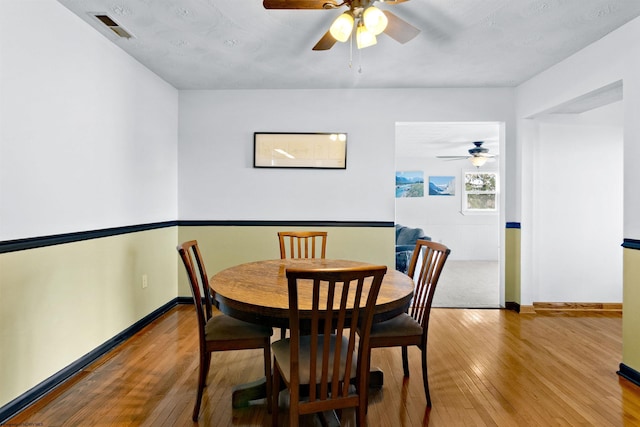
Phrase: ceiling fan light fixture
(374, 20)
(478, 161)
(364, 38)
(342, 27)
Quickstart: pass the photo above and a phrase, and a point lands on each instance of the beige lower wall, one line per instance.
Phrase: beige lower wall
(60, 302)
(226, 246)
(512, 265)
(631, 309)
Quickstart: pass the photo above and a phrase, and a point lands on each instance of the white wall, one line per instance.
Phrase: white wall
(88, 140)
(578, 208)
(88, 137)
(216, 178)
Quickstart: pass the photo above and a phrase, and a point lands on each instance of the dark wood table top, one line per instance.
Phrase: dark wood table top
(257, 291)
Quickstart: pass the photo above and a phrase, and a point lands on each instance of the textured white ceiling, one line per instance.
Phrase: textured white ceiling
(431, 139)
(237, 44)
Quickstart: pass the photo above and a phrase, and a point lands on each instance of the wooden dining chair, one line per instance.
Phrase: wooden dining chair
(219, 332)
(412, 328)
(328, 353)
(302, 244)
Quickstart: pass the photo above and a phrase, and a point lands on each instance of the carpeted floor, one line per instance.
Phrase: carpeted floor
(468, 284)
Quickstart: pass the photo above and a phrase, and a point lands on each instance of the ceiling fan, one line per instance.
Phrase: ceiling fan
(368, 21)
(478, 155)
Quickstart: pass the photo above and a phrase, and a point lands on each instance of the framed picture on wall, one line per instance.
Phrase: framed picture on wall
(300, 150)
(442, 185)
(410, 184)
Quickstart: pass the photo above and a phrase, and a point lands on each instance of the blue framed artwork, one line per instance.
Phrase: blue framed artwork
(410, 184)
(442, 185)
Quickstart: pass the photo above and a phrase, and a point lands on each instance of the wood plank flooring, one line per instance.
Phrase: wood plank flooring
(487, 368)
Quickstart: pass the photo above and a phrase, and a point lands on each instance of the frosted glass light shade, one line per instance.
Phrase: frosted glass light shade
(364, 38)
(375, 20)
(478, 161)
(342, 27)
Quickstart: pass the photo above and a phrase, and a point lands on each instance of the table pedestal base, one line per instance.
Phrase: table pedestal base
(244, 394)
(376, 379)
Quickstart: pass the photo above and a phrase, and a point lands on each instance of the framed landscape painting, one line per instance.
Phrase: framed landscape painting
(442, 185)
(410, 184)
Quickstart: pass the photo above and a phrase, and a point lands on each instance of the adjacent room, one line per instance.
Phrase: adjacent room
(441, 151)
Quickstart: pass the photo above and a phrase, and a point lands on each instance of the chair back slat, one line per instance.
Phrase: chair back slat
(428, 259)
(337, 310)
(302, 244)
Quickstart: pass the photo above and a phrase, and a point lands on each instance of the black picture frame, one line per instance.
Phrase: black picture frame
(320, 150)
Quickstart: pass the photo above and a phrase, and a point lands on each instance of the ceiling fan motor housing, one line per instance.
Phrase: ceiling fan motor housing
(478, 149)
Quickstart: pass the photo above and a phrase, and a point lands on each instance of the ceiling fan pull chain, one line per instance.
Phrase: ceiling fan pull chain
(351, 50)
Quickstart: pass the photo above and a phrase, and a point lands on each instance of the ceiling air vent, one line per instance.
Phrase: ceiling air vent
(113, 25)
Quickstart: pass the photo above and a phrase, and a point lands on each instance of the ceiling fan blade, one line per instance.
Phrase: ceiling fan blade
(299, 4)
(399, 29)
(326, 42)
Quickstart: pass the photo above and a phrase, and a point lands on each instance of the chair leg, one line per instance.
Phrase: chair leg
(294, 421)
(425, 377)
(363, 391)
(207, 365)
(275, 393)
(203, 370)
(294, 401)
(361, 414)
(405, 361)
(365, 376)
(267, 373)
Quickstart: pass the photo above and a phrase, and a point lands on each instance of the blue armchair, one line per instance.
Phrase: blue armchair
(406, 238)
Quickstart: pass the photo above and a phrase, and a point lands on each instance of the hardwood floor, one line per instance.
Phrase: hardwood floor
(487, 368)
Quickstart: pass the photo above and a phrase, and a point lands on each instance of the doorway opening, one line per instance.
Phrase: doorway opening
(439, 153)
(576, 198)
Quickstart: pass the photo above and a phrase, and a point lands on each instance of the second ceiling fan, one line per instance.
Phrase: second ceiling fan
(363, 18)
(478, 155)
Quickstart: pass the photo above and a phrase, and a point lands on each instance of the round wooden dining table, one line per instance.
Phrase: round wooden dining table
(257, 292)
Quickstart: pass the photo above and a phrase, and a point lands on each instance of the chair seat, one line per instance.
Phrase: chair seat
(227, 328)
(400, 326)
(282, 353)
